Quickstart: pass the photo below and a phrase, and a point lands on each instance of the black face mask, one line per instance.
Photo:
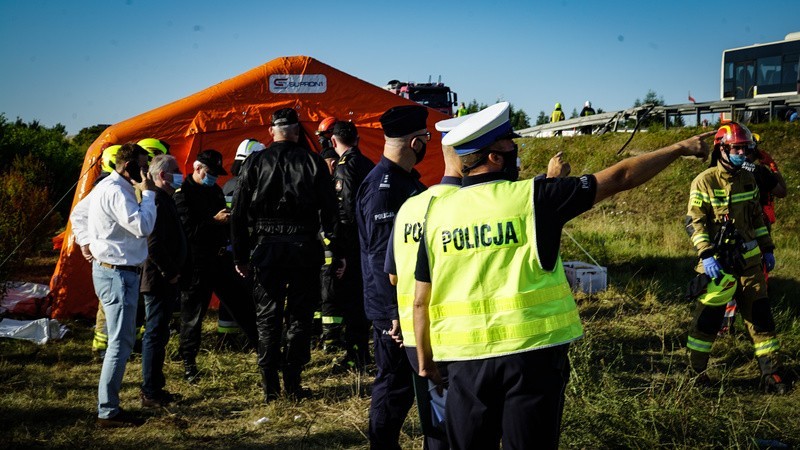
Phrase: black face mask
(510, 168)
(421, 153)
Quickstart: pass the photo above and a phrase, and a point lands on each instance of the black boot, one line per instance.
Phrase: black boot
(190, 371)
(270, 384)
(332, 337)
(292, 387)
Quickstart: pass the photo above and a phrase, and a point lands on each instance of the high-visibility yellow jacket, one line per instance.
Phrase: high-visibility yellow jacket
(489, 293)
(408, 225)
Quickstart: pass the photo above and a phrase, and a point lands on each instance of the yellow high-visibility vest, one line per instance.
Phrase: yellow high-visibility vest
(408, 225)
(489, 293)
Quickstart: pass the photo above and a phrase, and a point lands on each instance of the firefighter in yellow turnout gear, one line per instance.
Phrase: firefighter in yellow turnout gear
(727, 229)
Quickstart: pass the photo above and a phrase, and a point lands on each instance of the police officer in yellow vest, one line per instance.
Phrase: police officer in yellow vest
(727, 228)
(401, 260)
(491, 296)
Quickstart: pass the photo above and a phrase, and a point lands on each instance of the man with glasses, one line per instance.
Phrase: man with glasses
(167, 249)
(378, 199)
(491, 296)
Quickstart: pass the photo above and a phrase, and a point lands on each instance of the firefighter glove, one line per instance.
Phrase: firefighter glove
(712, 267)
(769, 261)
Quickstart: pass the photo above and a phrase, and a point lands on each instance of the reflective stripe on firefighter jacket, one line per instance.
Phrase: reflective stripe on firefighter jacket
(408, 225)
(489, 293)
(716, 193)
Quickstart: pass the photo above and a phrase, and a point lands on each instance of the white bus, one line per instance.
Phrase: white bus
(761, 70)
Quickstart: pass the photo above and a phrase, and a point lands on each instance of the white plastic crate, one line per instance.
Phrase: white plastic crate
(586, 277)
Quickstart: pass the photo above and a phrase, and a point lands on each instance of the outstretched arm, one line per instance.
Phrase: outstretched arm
(631, 172)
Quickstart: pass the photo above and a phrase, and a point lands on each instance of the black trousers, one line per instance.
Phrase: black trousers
(519, 398)
(435, 436)
(215, 274)
(350, 295)
(287, 295)
(392, 390)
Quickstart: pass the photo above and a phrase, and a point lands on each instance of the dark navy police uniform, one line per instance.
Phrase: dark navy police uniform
(378, 199)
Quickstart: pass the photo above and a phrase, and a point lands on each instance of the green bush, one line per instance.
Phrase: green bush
(24, 200)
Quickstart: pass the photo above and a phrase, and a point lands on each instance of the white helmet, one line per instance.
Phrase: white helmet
(588, 104)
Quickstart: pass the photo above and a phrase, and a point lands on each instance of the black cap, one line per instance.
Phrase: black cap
(212, 159)
(285, 116)
(404, 120)
(329, 153)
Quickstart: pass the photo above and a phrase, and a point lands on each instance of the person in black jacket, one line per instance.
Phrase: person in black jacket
(283, 194)
(166, 248)
(201, 207)
(348, 174)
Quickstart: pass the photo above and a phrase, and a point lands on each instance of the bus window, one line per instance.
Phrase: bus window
(789, 72)
(727, 80)
(744, 79)
(769, 71)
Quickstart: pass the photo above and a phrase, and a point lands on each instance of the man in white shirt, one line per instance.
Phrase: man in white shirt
(111, 228)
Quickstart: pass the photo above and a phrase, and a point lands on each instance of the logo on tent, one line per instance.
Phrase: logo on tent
(298, 84)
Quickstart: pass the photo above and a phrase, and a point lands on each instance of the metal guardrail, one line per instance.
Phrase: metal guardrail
(613, 121)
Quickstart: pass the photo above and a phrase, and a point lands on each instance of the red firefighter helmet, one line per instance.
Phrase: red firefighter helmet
(733, 133)
(326, 126)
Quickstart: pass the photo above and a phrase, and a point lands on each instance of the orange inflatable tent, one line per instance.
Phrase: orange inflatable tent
(220, 117)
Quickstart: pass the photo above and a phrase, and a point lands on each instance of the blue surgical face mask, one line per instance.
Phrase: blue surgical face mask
(737, 160)
(209, 180)
(177, 180)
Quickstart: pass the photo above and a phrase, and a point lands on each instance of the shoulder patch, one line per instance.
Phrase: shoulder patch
(697, 202)
(384, 216)
(720, 193)
(385, 181)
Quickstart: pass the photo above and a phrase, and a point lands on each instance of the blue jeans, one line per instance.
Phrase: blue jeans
(118, 290)
(158, 310)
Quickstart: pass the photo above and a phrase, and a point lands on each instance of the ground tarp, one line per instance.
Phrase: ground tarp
(220, 117)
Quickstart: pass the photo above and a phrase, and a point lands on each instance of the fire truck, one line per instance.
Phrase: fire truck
(433, 95)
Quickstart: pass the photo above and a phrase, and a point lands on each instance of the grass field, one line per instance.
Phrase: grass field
(629, 387)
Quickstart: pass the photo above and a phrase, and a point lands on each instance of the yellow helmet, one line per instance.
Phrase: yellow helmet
(153, 145)
(558, 105)
(109, 158)
(719, 291)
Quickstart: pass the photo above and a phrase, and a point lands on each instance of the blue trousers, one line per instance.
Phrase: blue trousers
(158, 308)
(118, 290)
(392, 390)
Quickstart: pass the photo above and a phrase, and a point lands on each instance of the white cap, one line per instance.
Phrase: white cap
(481, 130)
(247, 148)
(444, 126)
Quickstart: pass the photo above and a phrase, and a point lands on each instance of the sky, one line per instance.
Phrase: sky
(81, 62)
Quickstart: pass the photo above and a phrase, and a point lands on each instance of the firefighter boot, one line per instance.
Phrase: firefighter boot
(698, 363)
(332, 337)
(772, 380)
(291, 385)
(270, 384)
